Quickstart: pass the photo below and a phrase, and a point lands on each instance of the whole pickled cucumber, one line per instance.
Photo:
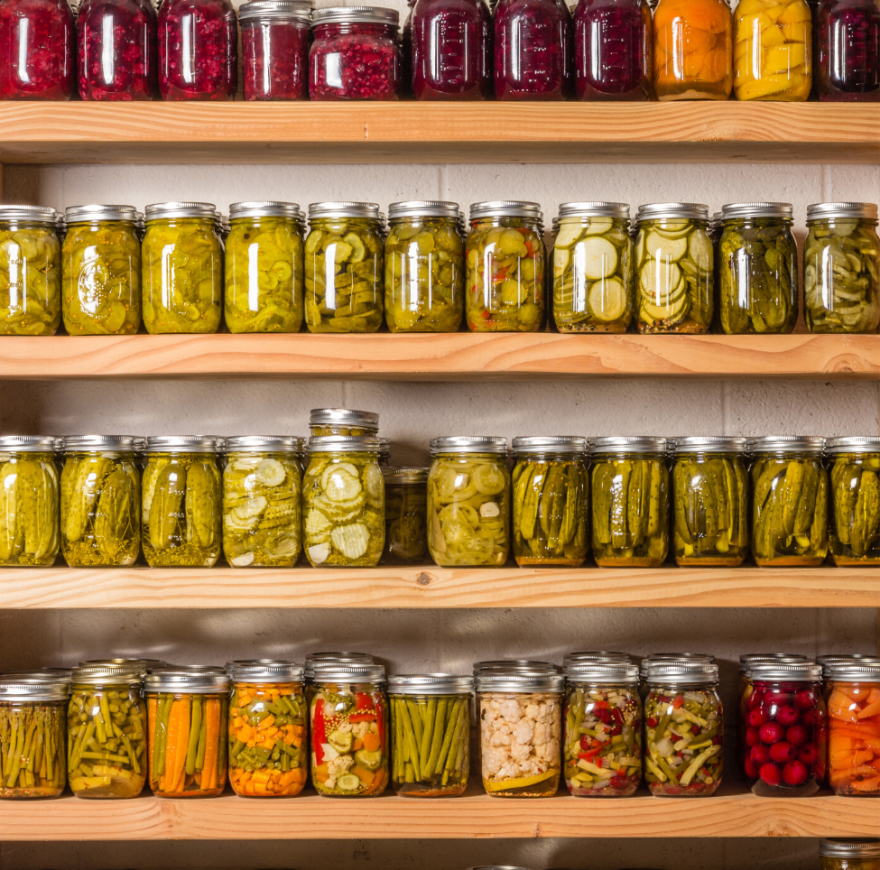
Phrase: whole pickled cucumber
(87, 476)
(11, 529)
(39, 508)
(113, 518)
(167, 498)
(201, 511)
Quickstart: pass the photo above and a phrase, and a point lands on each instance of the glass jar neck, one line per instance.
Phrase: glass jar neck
(471, 455)
(287, 21)
(103, 225)
(789, 456)
(100, 686)
(549, 457)
(355, 28)
(191, 222)
(179, 455)
(627, 457)
(745, 222)
(856, 456)
(287, 686)
(14, 225)
(684, 686)
(707, 456)
(509, 222)
(423, 220)
(599, 686)
(326, 223)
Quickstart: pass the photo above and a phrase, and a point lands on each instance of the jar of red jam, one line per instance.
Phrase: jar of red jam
(533, 46)
(784, 728)
(355, 54)
(37, 45)
(848, 51)
(275, 49)
(198, 50)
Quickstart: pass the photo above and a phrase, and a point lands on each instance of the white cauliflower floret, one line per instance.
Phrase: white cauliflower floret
(344, 727)
(524, 731)
(330, 782)
(532, 711)
(542, 732)
(501, 737)
(511, 710)
(340, 765)
(494, 759)
(511, 770)
(360, 728)
(549, 751)
(520, 751)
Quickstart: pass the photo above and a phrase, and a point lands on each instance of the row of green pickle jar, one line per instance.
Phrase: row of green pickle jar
(674, 270)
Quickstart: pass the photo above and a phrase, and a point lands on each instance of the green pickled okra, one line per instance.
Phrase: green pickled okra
(32, 740)
(30, 280)
(406, 532)
(855, 503)
(29, 524)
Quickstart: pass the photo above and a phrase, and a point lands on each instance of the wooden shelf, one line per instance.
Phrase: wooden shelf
(412, 132)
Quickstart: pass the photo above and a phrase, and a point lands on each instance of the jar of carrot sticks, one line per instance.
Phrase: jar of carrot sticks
(268, 751)
(187, 708)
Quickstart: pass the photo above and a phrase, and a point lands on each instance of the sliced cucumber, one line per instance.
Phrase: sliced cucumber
(674, 229)
(568, 235)
(700, 248)
(663, 247)
(358, 251)
(561, 257)
(607, 300)
(597, 257)
(598, 226)
(659, 280)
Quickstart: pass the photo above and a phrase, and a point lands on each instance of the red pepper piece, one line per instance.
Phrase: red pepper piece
(364, 702)
(319, 735)
(362, 717)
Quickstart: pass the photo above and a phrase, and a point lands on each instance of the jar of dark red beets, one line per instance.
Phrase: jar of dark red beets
(275, 49)
(355, 54)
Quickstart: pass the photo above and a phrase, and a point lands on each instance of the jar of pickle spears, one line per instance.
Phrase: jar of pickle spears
(855, 501)
(850, 854)
(343, 421)
(275, 49)
(406, 507)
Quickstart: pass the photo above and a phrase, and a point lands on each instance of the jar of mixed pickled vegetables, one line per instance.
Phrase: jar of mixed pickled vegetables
(602, 754)
(343, 502)
(505, 267)
(468, 501)
(855, 501)
(182, 269)
(424, 267)
(264, 267)
(848, 51)
(348, 295)
(268, 749)
(630, 495)
(261, 502)
(348, 716)
(431, 734)
(520, 732)
(850, 854)
(181, 502)
(30, 271)
(789, 501)
(343, 421)
(100, 501)
(674, 268)
(275, 49)
(841, 268)
(551, 500)
(406, 509)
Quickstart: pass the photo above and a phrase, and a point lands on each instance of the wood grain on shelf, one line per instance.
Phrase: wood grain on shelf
(431, 132)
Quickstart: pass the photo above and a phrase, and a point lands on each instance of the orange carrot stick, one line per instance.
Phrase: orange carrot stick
(182, 743)
(212, 744)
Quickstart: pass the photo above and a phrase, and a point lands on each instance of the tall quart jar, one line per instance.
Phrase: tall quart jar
(789, 501)
(855, 501)
(841, 268)
(343, 421)
(848, 51)
(344, 267)
(849, 854)
(630, 495)
(28, 501)
(406, 509)
(468, 501)
(505, 267)
(265, 267)
(424, 267)
(275, 49)
(551, 500)
(593, 268)
(181, 502)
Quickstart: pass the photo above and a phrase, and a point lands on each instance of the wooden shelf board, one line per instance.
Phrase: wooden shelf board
(88, 132)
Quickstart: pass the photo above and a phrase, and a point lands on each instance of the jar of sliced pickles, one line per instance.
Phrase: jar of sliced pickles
(424, 267)
(789, 501)
(468, 501)
(505, 267)
(674, 268)
(28, 501)
(30, 271)
(345, 295)
(551, 490)
(181, 502)
(406, 509)
(344, 502)
(188, 713)
(343, 421)
(855, 501)
(261, 502)
(710, 497)
(100, 501)
(850, 854)
(431, 734)
(841, 267)
(630, 494)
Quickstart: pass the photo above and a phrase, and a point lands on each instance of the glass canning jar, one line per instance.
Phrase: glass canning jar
(630, 495)
(262, 486)
(348, 716)
(28, 501)
(849, 854)
(275, 49)
(343, 421)
(710, 496)
(505, 267)
(101, 271)
(188, 715)
(100, 501)
(592, 268)
(198, 50)
(346, 294)
(33, 735)
(533, 48)
(344, 502)
(424, 267)
(841, 268)
(118, 50)
(789, 501)
(674, 268)
(431, 734)
(855, 501)
(182, 263)
(757, 269)
(469, 501)
(848, 51)
(355, 54)
(265, 266)
(268, 746)
(551, 500)
(30, 270)
(181, 515)
(406, 509)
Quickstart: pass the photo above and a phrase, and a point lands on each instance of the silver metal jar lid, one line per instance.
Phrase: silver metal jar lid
(659, 659)
(27, 443)
(834, 658)
(405, 475)
(749, 659)
(796, 672)
(265, 671)
(276, 9)
(384, 446)
(539, 444)
(343, 444)
(597, 657)
(262, 444)
(83, 213)
(674, 210)
(428, 208)
(858, 444)
(95, 443)
(267, 208)
(35, 214)
(344, 417)
(342, 209)
(183, 444)
(619, 210)
(735, 210)
(672, 673)
(787, 444)
(506, 208)
(199, 680)
(168, 210)
(849, 848)
(142, 665)
(107, 674)
(614, 673)
(430, 684)
(528, 665)
(518, 681)
(353, 672)
(314, 659)
(468, 444)
(355, 15)
(853, 671)
(32, 687)
(628, 444)
(709, 444)
(853, 210)
(61, 675)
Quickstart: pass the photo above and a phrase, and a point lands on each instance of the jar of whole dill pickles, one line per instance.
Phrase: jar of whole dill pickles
(342, 421)
(855, 500)
(850, 854)
(406, 507)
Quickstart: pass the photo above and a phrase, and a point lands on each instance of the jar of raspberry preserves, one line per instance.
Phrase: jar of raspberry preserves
(848, 56)
(275, 49)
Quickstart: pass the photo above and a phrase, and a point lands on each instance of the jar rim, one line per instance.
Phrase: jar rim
(797, 672)
(166, 210)
(436, 208)
(563, 444)
(87, 213)
(738, 210)
(849, 848)
(31, 687)
(618, 210)
(183, 444)
(314, 659)
(468, 444)
(602, 672)
(37, 214)
(262, 443)
(295, 10)
(598, 656)
(355, 15)
(519, 681)
(670, 673)
(787, 444)
(204, 679)
(853, 444)
(89, 443)
(343, 417)
(265, 671)
(520, 208)
(331, 672)
(27, 443)
(628, 444)
(343, 444)
(100, 674)
(684, 210)
(430, 684)
(854, 210)
(526, 665)
(709, 444)
(265, 208)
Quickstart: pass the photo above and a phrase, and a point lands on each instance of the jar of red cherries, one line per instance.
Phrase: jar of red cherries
(355, 54)
(784, 728)
(848, 51)
(275, 49)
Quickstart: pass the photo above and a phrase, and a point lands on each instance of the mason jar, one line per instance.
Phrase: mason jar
(468, 501)
(343, 421)
(849, 854)
(275, 49)
(855, 500)
(406, 509)
(100, 501)
(181, 513)
(848, 51)
(313, 660)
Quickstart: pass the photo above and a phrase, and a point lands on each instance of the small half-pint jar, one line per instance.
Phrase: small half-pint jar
(854, 500)
(406, 508)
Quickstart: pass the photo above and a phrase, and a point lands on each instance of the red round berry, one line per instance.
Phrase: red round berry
(788, 715)
(795, 773)
(750, 769)
(805, 699)
(782, 752)
(759, 755)
(757, 717)
(752, 738)
(796, 735)
(807, 754)
(770, 773)
(771, 732)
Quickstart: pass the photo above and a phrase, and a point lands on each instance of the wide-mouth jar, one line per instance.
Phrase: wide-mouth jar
(343, 421)
(406, 506)
(849, 854)
(596, 657)
(855, 500)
